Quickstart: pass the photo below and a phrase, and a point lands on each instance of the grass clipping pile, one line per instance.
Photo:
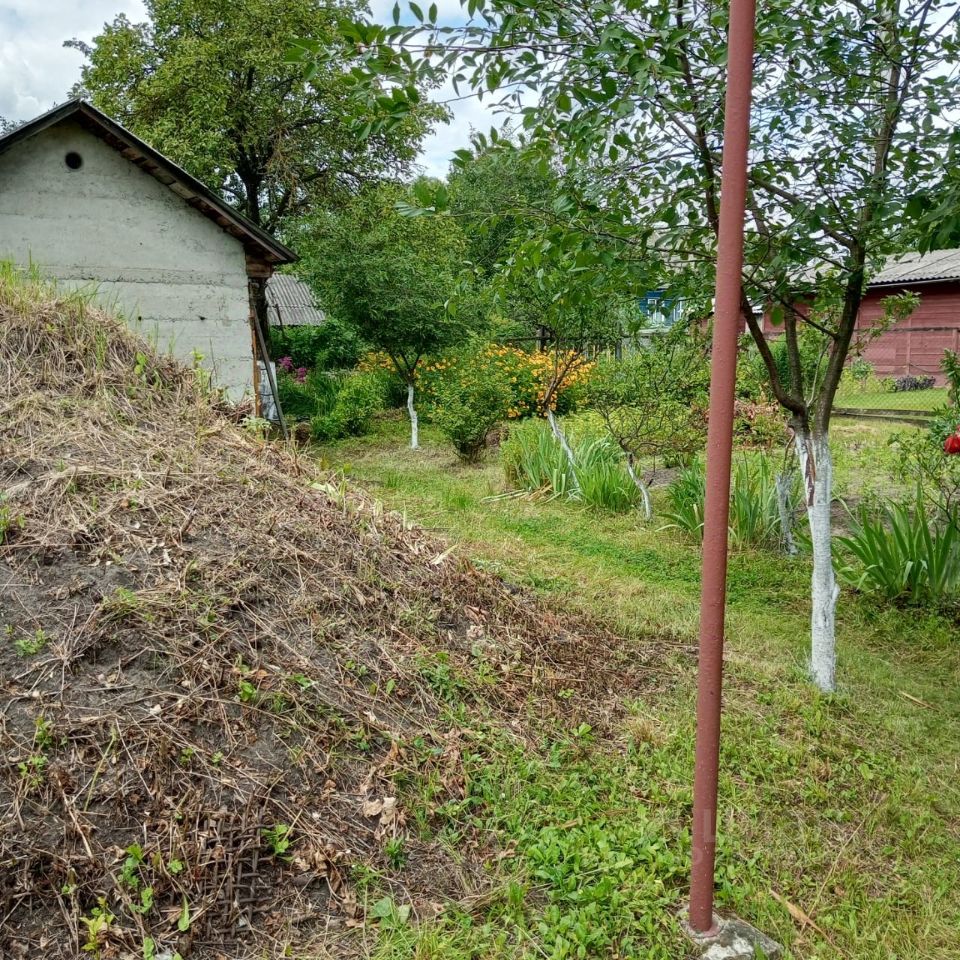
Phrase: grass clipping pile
(215, 667)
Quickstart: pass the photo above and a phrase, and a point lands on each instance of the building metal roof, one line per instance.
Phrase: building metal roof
(919, 268)
(256, 241)
(290, 302)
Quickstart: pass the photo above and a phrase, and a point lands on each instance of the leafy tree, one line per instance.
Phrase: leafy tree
(206, 82)
(389, 275)
(653, 401)
(846, 106)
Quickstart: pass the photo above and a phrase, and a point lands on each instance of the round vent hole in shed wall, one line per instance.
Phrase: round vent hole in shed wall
(73, 160)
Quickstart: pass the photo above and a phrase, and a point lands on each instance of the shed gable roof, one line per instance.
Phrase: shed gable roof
(919, 268)
(255, 240)
(292, 301)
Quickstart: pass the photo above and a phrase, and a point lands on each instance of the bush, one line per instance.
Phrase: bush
(950, 365)
(533, 460)
(910, 382)
(754, 508)
(359, 396)
(900, 555)
(945, 420)
(919, 459)
(526, 375)
(861, 370)
(305, 394)
(759, 424)
(466, 403)
(653, 402)
(333, 346)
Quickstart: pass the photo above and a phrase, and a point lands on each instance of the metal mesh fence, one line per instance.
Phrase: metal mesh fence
(898, 374)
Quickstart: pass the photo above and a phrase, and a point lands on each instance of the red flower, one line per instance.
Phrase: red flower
(952, 444)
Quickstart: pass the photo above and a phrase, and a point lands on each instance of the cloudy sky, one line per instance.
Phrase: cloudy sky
(36, 71)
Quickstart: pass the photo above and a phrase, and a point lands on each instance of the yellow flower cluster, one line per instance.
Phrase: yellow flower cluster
(528, 374)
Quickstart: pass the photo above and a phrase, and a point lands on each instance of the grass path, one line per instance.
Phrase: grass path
(847, 807)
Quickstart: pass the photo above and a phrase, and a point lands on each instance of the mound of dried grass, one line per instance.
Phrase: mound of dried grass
(207, 652)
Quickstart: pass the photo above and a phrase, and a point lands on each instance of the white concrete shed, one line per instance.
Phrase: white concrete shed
(93, 205)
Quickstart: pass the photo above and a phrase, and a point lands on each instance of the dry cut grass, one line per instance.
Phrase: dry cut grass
(214, 663)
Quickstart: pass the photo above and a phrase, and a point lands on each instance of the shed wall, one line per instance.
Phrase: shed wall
(174, 275)
(912, 346)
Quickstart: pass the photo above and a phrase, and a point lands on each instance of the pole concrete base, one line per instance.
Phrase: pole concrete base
(731, 939)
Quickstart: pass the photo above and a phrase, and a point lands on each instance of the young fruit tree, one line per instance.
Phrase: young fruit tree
(653, 401)
(851, 119)
(390, 276)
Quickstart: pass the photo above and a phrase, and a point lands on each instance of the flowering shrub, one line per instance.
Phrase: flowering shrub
(526, 376)
(466, 407)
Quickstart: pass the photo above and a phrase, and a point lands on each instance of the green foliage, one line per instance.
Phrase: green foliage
(359, 397)
(386, 275)
(753, 379)
(210, 86)
(333, 346)
(279, 839)
(653, 402)
(919, 460)
(754, 509)
(335, 405)
(861, 370)
(950, 365)
(903, 556)
(533, 460)
(945, 420)
(466, 404)
(308, 395)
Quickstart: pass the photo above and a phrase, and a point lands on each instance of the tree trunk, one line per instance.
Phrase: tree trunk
(567, 451)
(816, 467)
(786, 516)
(642, 487)
(414, 420)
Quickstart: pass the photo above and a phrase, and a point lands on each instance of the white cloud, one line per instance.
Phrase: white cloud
(36, 71)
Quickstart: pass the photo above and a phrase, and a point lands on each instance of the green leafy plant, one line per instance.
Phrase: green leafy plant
(357, 398)
(467, 402)
(279, 839)
(29, 645)
(901, 555)
(98, 925)
(950, 365)
(861, 370)
(8, 519)
(533, 460)
(919, 459)
(754, 507)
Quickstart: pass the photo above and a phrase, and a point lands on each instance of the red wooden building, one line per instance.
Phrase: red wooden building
(915, 345)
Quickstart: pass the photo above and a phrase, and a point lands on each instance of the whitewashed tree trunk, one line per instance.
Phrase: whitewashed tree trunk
(641, 486)
(786, 514)
(568, 452)
(816, 467)
(414, 420)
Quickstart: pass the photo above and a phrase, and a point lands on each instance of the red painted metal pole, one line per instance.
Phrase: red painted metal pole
(726, 324)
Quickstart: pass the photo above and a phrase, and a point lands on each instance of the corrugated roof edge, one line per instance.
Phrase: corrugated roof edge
(249, 232)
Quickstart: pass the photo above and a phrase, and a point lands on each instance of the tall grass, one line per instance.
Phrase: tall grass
(754, 509)
(533, 460)
(901, 555)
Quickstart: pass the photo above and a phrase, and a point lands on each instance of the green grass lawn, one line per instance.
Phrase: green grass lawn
(846, 807)
(923, 401)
